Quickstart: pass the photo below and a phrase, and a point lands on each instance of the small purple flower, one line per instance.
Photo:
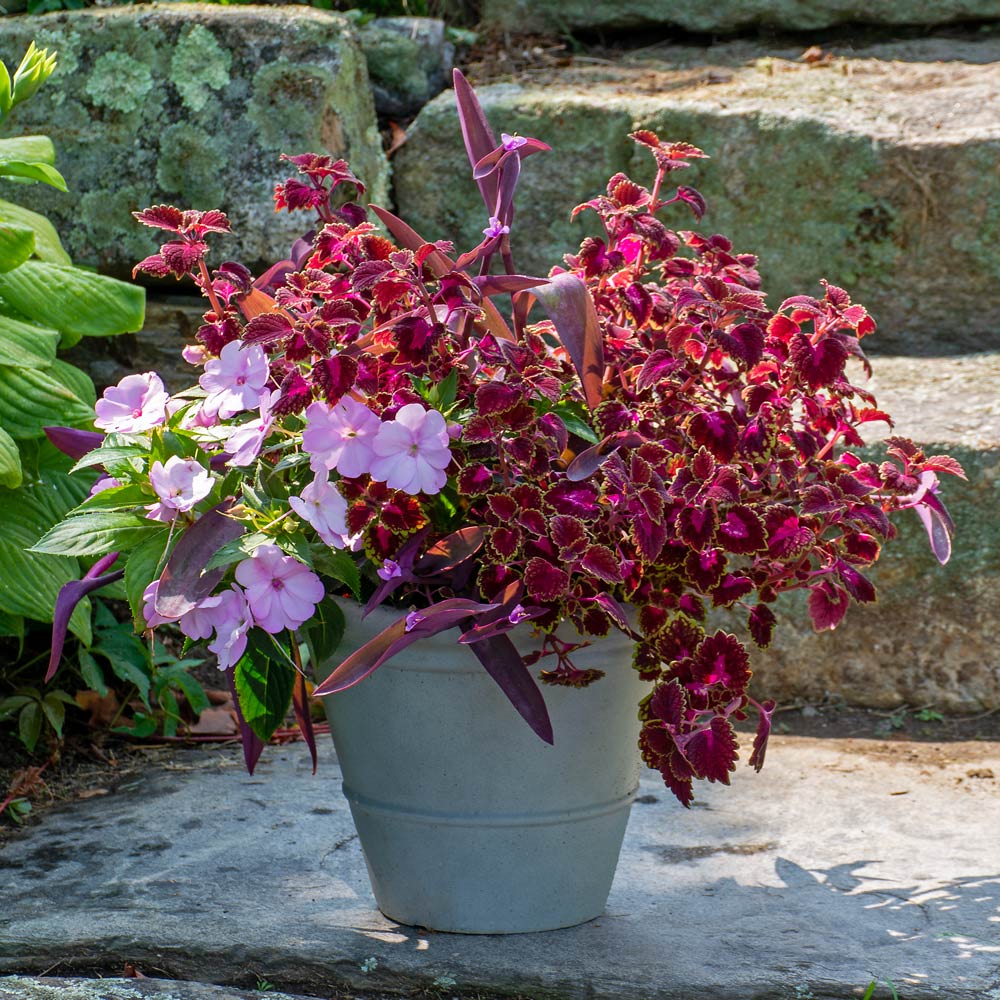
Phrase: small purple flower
(518, 615)
(413, 619)
(281, 591)
(138, 403)
(389, 570)
(235, 379)
(495, 228)
(512, 142)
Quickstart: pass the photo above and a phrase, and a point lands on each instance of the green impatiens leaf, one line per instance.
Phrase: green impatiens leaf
(95, 534)
(10, 462)
(17, 244)
(264, 688)
(31, 399)
(74, 302)
(144, 565)
(48, 246)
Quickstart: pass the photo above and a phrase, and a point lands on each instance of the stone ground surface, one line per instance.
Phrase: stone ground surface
(842, 862)
(873, 167)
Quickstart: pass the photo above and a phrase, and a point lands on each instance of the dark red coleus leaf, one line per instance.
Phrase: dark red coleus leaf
(761, 624)
(827, 605)
(715, 431)
(821, 364)
(696, 526)
(705, 569)
(497, 397)
(764, 713)
(741, 530)
(669, 703)
(544, 581)
(601, 562)
(161, 217)
(855, 583)
(295, 395)
(267, 328)
(333, 377)
(712, 752)
(732, 589)
(183, 256)
(722, 660)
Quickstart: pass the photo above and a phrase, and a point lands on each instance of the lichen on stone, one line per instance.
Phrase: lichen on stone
(189, 166)
(199, 65)
(119, 82)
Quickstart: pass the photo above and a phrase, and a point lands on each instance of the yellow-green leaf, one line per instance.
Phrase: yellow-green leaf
(48, 246)
(17, 244)
(10, 461)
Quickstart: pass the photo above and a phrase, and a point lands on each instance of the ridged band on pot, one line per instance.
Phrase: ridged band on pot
(468, 821)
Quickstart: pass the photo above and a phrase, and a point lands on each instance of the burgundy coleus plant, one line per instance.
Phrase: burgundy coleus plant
(653, 444)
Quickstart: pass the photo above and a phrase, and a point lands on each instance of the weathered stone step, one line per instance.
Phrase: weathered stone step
(931, 637)
(878, 170)
(715, 16)
(191, 104)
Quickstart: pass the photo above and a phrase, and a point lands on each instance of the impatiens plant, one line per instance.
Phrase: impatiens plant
(368, 422)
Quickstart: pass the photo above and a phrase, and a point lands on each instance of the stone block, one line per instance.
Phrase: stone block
(191, 104)
(878, 170)
(720, 16)
(409, 62)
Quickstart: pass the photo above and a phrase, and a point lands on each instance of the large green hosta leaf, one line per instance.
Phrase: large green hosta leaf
(29, 582)
(25, 345)
(28, 148)
(31, 399)
(10, 462)
(74, 302)
(17, 244)
(48, 246)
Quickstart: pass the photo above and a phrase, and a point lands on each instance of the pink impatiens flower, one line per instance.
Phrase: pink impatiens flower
(235, 379)
(325, 509)
(281, 591)
(340, 437)
(411, 451)
(228, 615)
(138, 403)
(245, 442)
(180, 484)
(149, 612)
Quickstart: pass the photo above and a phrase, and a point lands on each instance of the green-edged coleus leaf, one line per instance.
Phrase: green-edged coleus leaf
(96, 533)
(25, 345)
(30, 582)
(48, 246)
(31, 399)
(263, 685)
(10, 462)
(77, 303)
(17, 244)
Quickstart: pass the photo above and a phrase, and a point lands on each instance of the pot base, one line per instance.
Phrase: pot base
(491, 874)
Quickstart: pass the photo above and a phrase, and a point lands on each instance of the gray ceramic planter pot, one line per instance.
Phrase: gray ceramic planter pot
(468, 821)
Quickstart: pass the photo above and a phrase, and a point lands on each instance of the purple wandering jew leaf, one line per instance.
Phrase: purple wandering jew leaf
(72, 442)
(568, 303)
(501, 284)
(253, 746)
(452, 550)
(183, 583)
(507, 185)
(588, 462)
(616, 613)
(477, 134)
(490, 162)
(69, 596)
(300, 699)
(397, 637)
(504, 664)
(438, 262)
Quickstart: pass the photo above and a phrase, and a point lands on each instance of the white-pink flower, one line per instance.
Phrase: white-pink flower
(281, 591)
(325, 509)
(226, 614)
(245, 442)
(149, 612)
(340, 437)
(180, 484)
(138, 403)
(411, 451)
(235, 379)
(102, 484)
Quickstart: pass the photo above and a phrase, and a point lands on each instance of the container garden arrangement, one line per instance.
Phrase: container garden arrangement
(462, 509)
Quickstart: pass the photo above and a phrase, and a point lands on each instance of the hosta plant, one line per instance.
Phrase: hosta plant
(379, 418)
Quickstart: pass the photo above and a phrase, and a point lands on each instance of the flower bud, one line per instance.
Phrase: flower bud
(36, 67)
